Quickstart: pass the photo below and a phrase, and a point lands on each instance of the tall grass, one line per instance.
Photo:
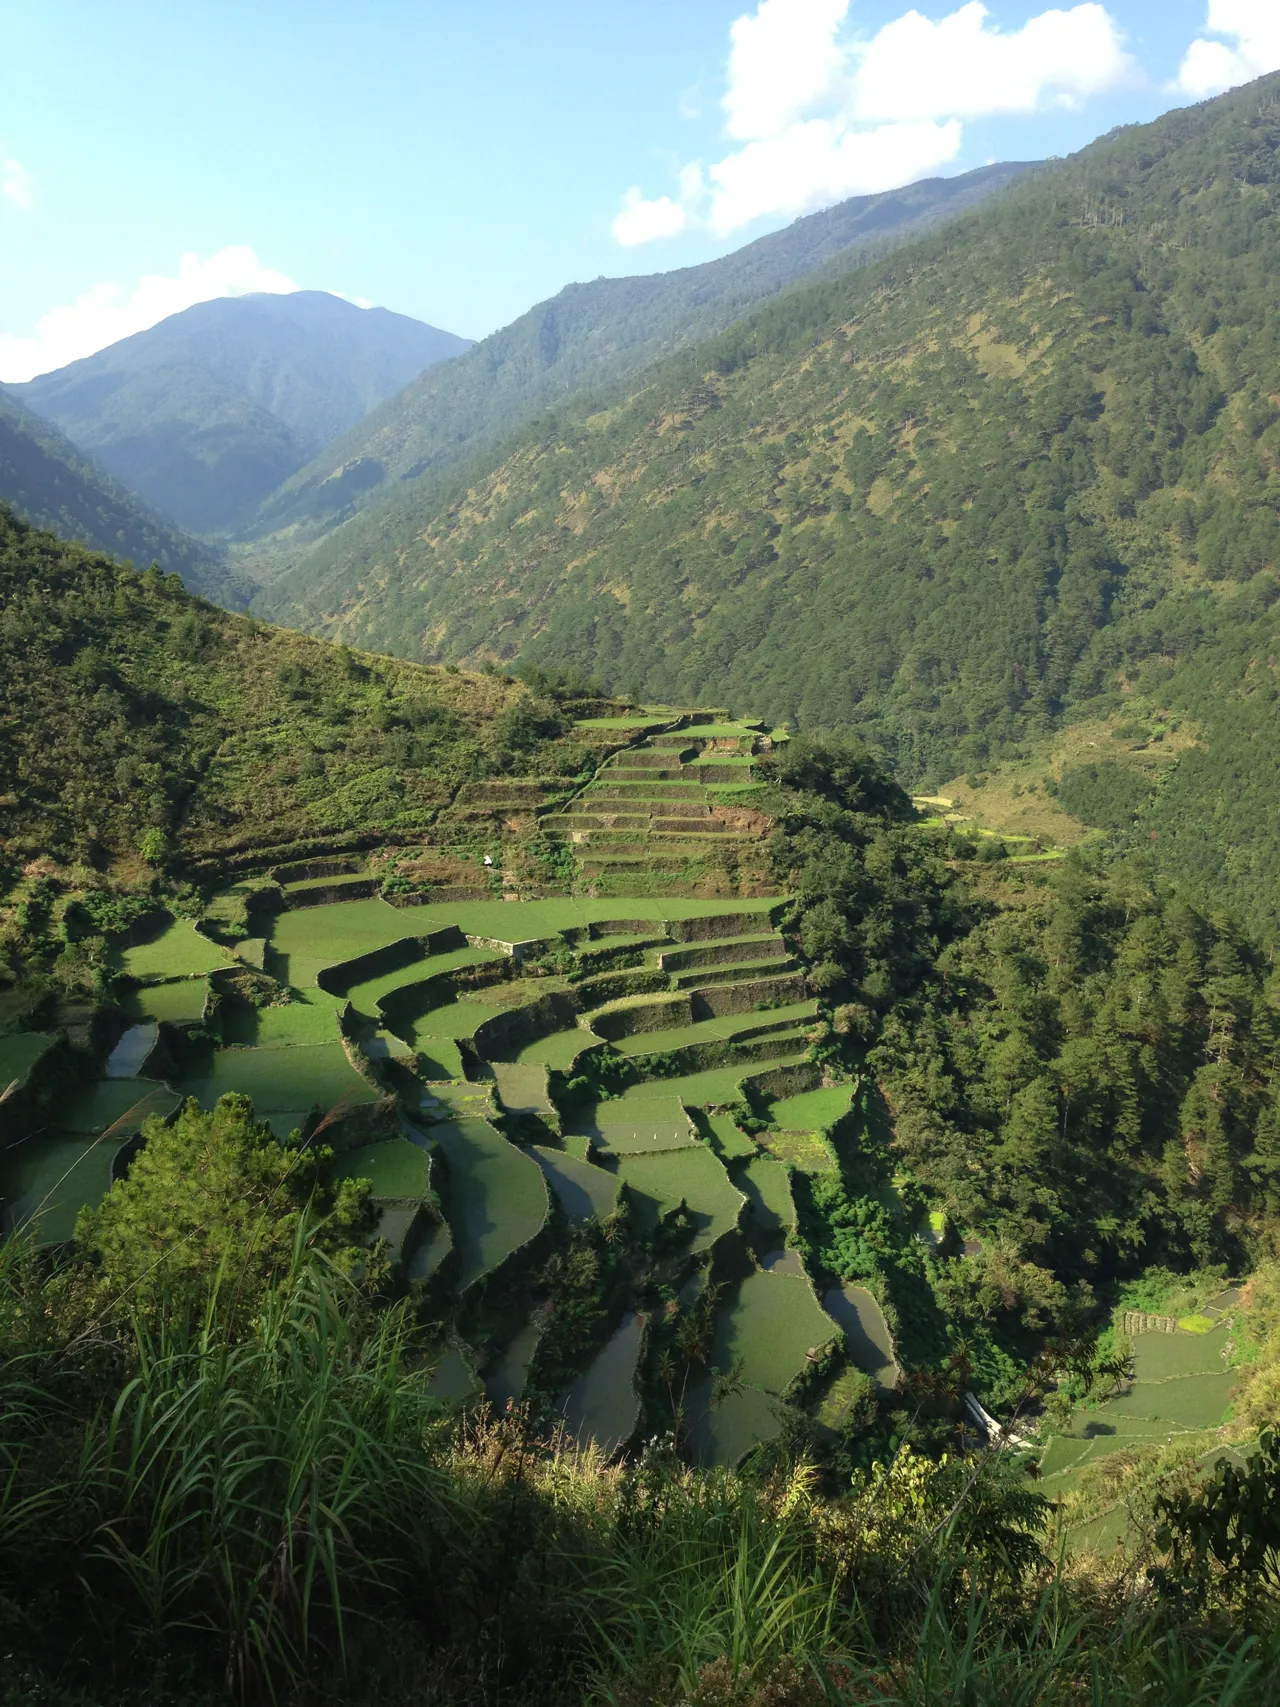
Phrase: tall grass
(286, 1508)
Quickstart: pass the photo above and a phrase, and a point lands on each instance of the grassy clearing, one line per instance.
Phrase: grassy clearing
(602, 1407)
(808, 1152)
(51, 1179)
(176, 951)
(767, 1328)
(1013, 800)
(497, 1195)
(394, 1167)
(20, 1051)
(583, 1189)
(282, 1079)
(812, 1111)
(695, 1177)
(866, 1333)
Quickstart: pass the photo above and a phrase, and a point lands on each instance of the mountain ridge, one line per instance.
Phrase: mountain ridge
(591, 333)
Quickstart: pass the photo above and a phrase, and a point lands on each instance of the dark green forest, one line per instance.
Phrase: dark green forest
(1021, 470)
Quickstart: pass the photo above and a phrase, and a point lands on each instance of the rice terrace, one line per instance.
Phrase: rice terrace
(503, 1068)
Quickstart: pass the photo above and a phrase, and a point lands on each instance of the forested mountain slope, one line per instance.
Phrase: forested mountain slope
(127, 706)
(50, 485)
(207, 412)
(1024, 466)
(588, 334)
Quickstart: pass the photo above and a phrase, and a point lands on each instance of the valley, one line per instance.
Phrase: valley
(639, 1025)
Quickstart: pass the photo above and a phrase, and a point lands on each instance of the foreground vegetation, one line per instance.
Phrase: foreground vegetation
(232, 1476)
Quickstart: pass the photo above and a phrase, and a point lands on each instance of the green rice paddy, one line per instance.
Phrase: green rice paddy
(767, 1188)
(50, 1179)
(1181, 1390)
(19, 1052)
(176, 951)
(695, 1177)
(395, 1168)
(767, 1329)
(281, 1079)
(496, 1195)
(296, 1025)
(178, 1003)
(602, 1408)
(866, 1333)
(454, 1380)
(584, 1190)
(724, 1433)
(646, 1117)
(365, 997)
(307, 940)
(522, 1087)
(812, 1111)
(505, 1382)
(716, 1030)
(727, 1137)
(111, 1102)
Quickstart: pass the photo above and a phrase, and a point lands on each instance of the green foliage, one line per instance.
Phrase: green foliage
(1227, 1530)
(213, 1200)
(250, 736)
(1108, 796)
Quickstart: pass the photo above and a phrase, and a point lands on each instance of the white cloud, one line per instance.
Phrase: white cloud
(782, 59)
(820, 115)
(914, 68)
(817, 162)
(1253, 48)
(106, 314)
(15, 184)
(641, 221)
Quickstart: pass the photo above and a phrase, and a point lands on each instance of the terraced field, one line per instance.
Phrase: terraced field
(671, 810)
(504, 1070)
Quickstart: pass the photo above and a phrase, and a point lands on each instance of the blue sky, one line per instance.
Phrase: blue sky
(459, 161)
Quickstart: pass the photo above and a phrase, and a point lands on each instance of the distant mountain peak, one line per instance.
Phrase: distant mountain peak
(208, 411)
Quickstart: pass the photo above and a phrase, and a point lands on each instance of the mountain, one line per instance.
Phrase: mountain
(127, 705)
(207, 412)
(49, 484)
(592, 333)
(1015, 473)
